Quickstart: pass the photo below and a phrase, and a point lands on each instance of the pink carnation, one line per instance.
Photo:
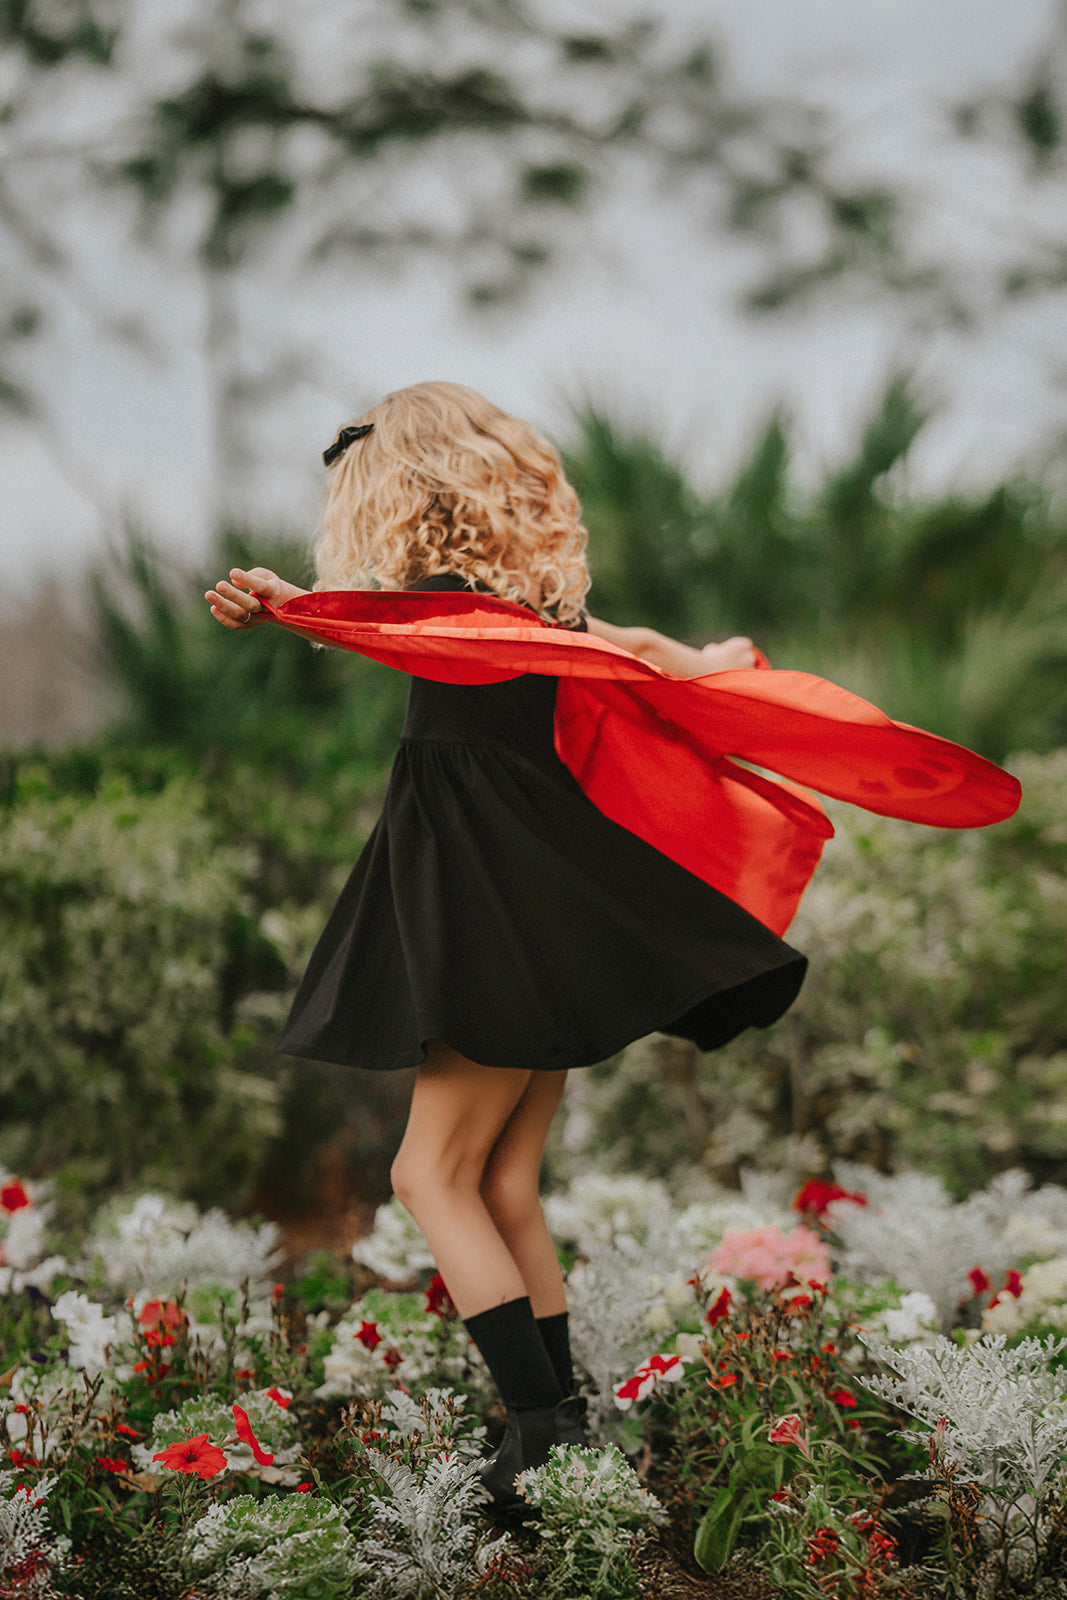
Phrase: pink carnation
(769, 1257)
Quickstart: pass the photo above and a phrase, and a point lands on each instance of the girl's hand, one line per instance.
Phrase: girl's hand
(730, 655)
(231, 606)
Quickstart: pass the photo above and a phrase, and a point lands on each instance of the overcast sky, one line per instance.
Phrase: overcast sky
(644, 320)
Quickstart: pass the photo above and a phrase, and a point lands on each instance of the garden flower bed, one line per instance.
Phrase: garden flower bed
(857, 1390)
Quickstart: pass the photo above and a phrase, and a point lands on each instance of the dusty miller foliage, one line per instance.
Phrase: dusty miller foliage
(424, 1539)
(592, 1511)
(911, 1230)
(1003, 1411)
(25, 1533)
(292, 1548)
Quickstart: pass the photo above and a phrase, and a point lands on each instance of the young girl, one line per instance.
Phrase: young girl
(500, 928)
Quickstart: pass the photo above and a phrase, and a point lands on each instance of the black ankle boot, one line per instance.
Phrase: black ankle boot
(527, 1442)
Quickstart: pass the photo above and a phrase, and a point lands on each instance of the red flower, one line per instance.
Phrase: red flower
(277, 1291)
(725, 1380)
(392, 1358)
(124, 1427)
(265, 1458)
(281, 1397)
(823, 1544)
(155, 1337)
(112, 1464)
(19, 1458)
(368, 1335)
(979, 1282)
(13, 1197)
(1013, 1285)
(148, 1366)
(161, 1314)
(719, 1309)
(193, 1455)
(438, 1299)
(304, 1488)
(815, 1196)
(841, 1397)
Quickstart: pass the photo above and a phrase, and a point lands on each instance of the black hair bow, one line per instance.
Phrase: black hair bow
(346, 437)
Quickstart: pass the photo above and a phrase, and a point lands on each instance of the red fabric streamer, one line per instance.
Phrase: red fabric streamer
(661, 755)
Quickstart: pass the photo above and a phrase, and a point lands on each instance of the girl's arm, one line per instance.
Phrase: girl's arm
(680, 660)
(231, 606)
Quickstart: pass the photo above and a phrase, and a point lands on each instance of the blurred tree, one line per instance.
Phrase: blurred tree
(470, 133)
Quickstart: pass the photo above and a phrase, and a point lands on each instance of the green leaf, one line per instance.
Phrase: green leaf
(718, 1527)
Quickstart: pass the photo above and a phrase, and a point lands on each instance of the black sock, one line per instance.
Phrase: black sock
(556, 1333)
(514, 1352)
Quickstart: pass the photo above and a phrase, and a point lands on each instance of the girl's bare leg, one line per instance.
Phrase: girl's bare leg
(510, 1188)
(458, 1112)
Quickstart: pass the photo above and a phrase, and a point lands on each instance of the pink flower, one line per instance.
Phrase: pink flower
(769, 1257)
(657, 1369)
(789, 1430)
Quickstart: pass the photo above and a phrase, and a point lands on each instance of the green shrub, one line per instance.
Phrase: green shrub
(135, 1044)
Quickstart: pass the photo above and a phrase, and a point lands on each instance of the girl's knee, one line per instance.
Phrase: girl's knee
(421, 1179)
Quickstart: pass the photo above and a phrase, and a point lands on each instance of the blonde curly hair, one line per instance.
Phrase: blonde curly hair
(447, 482)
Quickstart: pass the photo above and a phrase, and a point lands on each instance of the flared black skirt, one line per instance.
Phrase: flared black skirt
(496, 909)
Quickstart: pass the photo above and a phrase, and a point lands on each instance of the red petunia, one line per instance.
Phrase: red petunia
(112, 1464)
(719, 1309)
(124, 1427)
(979, 1282)
(392, 1358)
(265, 1458)
(161, 1314)
(281, 1397)
(193, 1455)
(368, 1335)
(304, 1488)
(438, 1299)
(277, 1291)
(815, 1197)
(13, 1197)
(841, 1397)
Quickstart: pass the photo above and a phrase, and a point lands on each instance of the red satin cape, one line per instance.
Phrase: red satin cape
(656, 753)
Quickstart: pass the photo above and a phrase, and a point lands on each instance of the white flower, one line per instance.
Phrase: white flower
(915, 1316)
(158, 1243)
(91, 1334)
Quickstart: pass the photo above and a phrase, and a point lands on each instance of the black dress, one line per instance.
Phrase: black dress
(496, 909)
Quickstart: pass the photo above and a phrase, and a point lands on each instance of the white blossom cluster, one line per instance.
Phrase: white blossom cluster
(386, 1336)
(91, 1335)
(1000, 1413)
(395, 1248)
(158, 1243)
(24, 1241)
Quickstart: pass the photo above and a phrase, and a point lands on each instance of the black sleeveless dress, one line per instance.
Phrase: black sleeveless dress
(496, 909)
